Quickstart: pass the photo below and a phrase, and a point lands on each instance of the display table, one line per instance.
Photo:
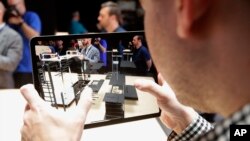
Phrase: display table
(145, 105)
(12, 107)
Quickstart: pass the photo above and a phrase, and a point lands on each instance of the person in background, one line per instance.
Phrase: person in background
(141, 56)
(88, 51)
(101, 44)
(10, 52)
(73, 45)
(204, 63)
(51, 45)
(110, 20)
(59, 47)
(28, 25)
(76, 27)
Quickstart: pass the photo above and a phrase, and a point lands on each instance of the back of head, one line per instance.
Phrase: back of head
(207, 44)
(114, 9)
(140, 38)
(76, 15)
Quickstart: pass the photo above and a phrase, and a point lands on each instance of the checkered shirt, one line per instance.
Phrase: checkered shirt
(201, 130)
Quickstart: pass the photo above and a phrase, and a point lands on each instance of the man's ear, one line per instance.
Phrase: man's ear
(189, 11)
(113, 17)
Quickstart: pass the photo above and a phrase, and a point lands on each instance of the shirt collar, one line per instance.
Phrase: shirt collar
(2, 25)
(88, 47)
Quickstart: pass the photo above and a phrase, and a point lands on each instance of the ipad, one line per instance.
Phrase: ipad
(108, 63)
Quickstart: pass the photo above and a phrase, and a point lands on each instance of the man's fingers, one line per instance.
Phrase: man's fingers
(24, 135)
(150, 87)
(85, 101)
(30, 94)
(162, 82)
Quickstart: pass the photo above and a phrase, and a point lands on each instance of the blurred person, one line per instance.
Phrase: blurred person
(10, 52)
(28, 25)
(73, 45)
(51, 45)
(76, 27)
(59, 47)
(204, 62)
(141, 56)
(110, 20)
(88, 51)
(40, 42)
(102, 45)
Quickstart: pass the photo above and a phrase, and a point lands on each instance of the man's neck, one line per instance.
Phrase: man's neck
(112, 27)
(88, 46)
(232, 107)
(138, 46)
(230, 101)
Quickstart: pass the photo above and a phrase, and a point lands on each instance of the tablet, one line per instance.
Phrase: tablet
(109, 63)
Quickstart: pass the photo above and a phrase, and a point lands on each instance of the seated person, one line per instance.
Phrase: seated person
(59, 47)
(141, 56)
(73, 45)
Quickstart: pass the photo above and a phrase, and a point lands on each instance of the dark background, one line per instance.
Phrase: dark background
(56, 14)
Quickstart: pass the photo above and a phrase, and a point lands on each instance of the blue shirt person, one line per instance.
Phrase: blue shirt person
(76, 27)
(141, 56)
(28, 25)
(102, 45)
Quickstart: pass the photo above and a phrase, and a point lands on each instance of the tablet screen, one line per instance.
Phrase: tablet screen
(109, 63)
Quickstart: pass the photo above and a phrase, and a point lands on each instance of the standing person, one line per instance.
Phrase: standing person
(28, 25)
(101, 44)
(141, 56)
(110, 20)
(76, 27)
(10, 52)
(204, 59)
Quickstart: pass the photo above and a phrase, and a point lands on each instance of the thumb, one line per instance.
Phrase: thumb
(85, 101)
(31, 96)
(150, 87)
(161, 80)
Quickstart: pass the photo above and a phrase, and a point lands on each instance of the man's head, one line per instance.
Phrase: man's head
(137, 41)
(59, 44)
(76, 15)
(202, 49)
(19, 5)
(86, 42)
(109, 15)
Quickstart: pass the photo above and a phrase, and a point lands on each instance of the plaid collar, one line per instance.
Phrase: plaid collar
(200, 129)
